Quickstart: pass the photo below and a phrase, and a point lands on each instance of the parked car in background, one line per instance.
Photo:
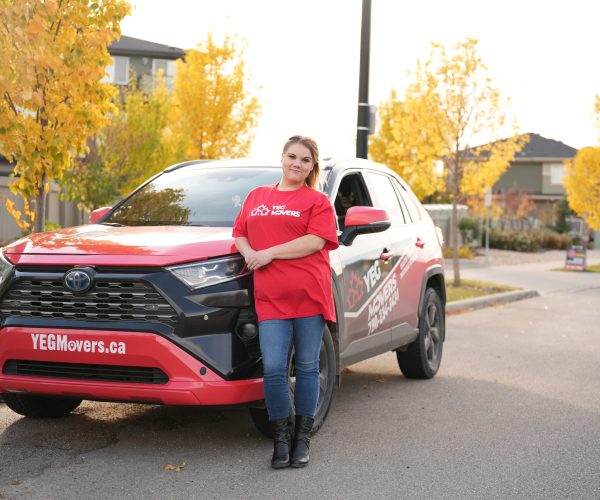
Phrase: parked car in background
(151, 302)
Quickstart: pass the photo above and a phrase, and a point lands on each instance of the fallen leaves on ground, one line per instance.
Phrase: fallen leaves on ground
(381, 380)
(176, 468)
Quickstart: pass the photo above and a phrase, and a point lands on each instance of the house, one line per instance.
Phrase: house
(536, 173)
(537, 170)
(142, 58)
(130, 56)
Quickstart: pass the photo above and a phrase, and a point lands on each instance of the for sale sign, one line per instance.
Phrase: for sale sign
(575, 260)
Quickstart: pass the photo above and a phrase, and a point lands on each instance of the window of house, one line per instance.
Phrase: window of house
(118, 71)
(557, 173)
(167, 67)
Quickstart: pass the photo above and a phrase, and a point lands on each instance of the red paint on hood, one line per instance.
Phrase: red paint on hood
(132, 246)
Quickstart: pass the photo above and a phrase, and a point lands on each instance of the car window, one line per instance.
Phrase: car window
(407, 202)
(384, 196)
(351, 192)
(193, 196)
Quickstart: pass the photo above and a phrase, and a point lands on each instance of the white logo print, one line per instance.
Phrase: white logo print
(280, 210)
(260, 210)
(277, 210)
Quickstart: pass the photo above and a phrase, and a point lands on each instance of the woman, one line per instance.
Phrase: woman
(284, 232)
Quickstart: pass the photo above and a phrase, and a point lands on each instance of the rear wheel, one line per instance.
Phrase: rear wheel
(327, 384)
(33, 406)
(422, 358)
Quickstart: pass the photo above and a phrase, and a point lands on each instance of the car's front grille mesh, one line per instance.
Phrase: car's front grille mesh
(79, 371)
(106, 301)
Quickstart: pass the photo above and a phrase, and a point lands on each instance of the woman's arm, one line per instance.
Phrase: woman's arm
(243, 246)
(294, 249)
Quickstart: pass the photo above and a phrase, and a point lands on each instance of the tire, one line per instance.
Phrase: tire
(422, 358)
(32, 406)
(327, 383)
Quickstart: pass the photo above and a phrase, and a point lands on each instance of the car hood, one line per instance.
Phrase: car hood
(98, 244)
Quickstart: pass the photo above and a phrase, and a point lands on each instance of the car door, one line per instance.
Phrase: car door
(413, 262)
(397, 296)
(361, 272)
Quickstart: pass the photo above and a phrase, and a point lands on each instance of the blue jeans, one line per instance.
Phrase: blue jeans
(276, 336)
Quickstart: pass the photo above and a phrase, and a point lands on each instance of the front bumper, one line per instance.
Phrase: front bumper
(188, 380)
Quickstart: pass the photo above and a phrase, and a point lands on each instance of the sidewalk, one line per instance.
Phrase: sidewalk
(532, 272)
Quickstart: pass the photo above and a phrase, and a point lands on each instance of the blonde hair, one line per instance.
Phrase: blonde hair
(313, 176)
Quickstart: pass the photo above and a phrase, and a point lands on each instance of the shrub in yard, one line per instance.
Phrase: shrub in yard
(555, 241)
(469, 230)
(527, 241)
(464, 252)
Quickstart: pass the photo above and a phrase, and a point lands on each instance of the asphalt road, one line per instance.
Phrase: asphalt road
(513, 413)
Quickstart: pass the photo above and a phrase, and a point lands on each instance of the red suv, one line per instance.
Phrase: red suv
(152, 302)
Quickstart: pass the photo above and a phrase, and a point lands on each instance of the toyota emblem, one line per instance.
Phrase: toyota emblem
(78, 281)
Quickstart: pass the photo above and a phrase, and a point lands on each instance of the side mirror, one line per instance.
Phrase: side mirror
(363, 220)
(97, 214)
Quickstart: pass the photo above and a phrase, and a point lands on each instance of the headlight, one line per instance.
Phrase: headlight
(5, 270)
(210, 272)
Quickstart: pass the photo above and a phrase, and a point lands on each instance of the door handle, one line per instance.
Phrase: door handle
(386, 255)
(420, 243)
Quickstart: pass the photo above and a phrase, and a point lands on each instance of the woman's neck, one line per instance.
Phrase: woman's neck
(284, 185)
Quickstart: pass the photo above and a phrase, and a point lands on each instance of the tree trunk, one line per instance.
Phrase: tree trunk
(40, 207)
(454, 241)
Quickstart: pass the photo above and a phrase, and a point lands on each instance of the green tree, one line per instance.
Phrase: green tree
(449, 104)
(53, 56)
(212, 114)
(128, 150)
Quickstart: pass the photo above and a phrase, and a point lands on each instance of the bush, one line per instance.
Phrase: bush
(464, 252)
(555, 241)
(51, 226)
(528, 241)
(469, 230)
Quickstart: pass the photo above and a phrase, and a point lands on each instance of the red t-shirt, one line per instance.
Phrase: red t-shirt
(290, 288)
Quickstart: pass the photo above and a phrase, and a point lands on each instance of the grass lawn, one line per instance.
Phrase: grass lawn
(471, 288)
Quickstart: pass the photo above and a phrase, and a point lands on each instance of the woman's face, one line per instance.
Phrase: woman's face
(296, 163)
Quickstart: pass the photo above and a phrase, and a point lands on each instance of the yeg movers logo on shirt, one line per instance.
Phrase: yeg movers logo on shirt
(263, 210)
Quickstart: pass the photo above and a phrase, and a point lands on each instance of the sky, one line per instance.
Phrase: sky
(302, 58)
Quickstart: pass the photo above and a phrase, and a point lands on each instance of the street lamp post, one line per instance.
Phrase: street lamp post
(362, 128)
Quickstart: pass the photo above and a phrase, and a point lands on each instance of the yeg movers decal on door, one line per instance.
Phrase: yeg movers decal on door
(383, 293)
(58, 342)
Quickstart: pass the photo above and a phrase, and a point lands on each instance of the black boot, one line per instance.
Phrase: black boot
(281, 444)
(301, 441)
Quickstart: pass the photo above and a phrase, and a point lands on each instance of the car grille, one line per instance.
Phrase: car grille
(77, 371)
(107, 301)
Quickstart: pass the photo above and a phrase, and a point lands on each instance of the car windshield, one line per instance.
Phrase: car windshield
(193, 196)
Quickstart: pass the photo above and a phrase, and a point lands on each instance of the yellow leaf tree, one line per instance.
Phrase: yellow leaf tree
(408, 143)
(52, 59)
(126, 152)
(597, 108)
(212, 114)
(459, 105)
(582, 184)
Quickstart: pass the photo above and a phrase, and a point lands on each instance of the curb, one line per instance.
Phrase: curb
(490, 300)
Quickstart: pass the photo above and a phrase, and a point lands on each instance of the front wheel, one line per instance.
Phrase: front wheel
(34, 406)
(327, 384)
(422, 358)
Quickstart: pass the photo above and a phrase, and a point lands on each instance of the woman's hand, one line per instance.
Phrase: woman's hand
(257, 259)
